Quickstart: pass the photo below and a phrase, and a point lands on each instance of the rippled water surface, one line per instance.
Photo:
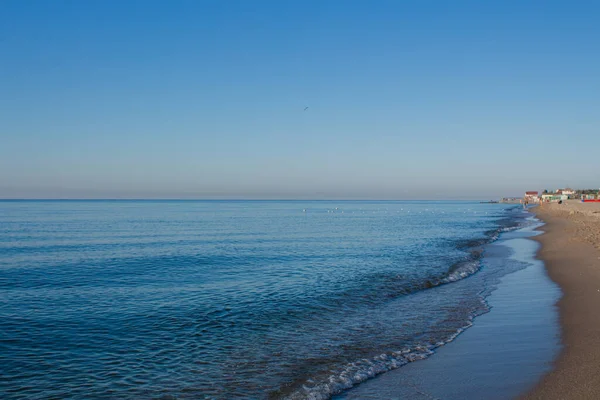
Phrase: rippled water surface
(230, 299)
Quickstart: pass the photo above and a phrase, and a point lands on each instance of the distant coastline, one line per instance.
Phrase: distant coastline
(479, 200)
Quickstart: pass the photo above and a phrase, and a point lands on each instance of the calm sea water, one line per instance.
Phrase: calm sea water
(231, 299)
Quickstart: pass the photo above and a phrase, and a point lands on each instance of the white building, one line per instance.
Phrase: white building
(549, 197)
(531, 197)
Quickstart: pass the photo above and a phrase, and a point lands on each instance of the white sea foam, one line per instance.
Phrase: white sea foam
(465, 270)
(359, 371)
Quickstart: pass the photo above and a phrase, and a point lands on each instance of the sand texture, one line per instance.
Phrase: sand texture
(585, 218)
(570, 251)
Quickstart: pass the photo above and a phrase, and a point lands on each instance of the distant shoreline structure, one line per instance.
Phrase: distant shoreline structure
(511, 200)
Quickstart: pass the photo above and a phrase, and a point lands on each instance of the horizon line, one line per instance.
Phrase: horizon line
(240, 199)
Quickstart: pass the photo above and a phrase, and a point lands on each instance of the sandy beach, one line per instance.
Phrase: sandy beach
(571, 252)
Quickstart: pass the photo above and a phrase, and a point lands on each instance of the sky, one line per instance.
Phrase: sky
(206, 99)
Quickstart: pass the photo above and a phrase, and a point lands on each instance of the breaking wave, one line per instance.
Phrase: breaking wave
(354, 373)
(359, 371)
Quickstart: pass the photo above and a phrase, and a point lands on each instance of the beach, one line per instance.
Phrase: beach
(506, 351)
(336, 299)
(570, 249)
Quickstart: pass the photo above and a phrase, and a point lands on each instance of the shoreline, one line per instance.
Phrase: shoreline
(505, 352)
(570, 251)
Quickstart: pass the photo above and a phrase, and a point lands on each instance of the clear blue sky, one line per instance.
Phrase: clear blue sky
(204, 99)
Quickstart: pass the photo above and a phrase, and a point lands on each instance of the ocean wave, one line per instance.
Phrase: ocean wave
(352, 374)
(463, 271)
(359, 371)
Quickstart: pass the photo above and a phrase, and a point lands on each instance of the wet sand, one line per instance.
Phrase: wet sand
(506, 351)
(571, 252)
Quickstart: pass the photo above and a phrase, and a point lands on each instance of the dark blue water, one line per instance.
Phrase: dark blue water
(506, 352)
(217, 299)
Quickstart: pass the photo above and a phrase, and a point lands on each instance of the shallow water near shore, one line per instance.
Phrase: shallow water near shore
(506, 351)
(235, 299)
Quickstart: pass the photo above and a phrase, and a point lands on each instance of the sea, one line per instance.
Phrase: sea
(132, 299)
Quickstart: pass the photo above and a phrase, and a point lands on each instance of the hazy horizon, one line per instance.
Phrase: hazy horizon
(436, 100)
(217, 197)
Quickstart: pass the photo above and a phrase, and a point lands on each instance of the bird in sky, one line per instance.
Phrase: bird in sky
(305, 108)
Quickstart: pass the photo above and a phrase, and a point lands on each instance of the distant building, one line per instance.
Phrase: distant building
(568, 192)
(511, 200)
(591, 196)
(548, 197)
(531, 197)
